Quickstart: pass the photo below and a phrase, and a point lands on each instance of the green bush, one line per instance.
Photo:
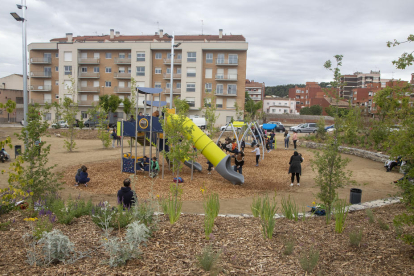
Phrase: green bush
(370, 215)
(383, 225)
(208, 260)
(341, 213)
(290, 209)
(267, 212)
(173, 204)
(309, 259)
(256, 205)
(355, 237)
(288, 247)
(211, 209)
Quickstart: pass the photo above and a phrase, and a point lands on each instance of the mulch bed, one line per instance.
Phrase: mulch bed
(272, 174)
(173, 248)
(83, 134)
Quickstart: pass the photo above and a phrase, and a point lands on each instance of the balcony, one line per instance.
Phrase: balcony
(168, 61)
(40, 74)
(226, 77)
(85, 75)
(122, 89)
(227, 62)
(40, 101)
(175, 76)
(41, 60)
(218, 93)
(122, 60)
(175, 91)
(89, 89)
(88, 60)
(88, 103)
(40, 88)
(122, 75)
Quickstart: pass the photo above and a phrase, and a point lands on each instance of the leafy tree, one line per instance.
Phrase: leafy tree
(35, 175)
(324, 84)
(251, 108)
(97, 112)
(69, 111)
(181, 106)
(10, 106)
(335, 111)
(110, 103)
(316, 109)
(281, 90)
(58, 113)
(406, 59)
(127, 107)
(210, 109)
(239, 111)
(321, 132)
(392, 99)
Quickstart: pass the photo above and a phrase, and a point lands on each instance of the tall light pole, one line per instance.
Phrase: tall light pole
(172, 67)
(23, 7)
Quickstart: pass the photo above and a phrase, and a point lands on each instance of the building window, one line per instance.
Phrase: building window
(140, 70)
(108, 70)
(191, 57)
(209, 58)
(219, 103)
(84, 115)
(178, 85)
(84, 69)
(56, 68)
(219, 89)
(190, 87)
(209, 73)
(56, 96)
(57, 83)
(209, 87)
(121, 70)
(230, 103)
(157, 85)
(121, 55)
(68, 70)
(232, 89)
(178, 70)
(233, 59)
(190, 101)
(108, 84)
(57, 55)
(96, 69)
(168, 70)
(108, 55)
(47, 117)
(158, 70)
(140, 56)
(158, 56)
(191, 72)
(68, 56)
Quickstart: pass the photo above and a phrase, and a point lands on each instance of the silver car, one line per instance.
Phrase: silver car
(305, 128)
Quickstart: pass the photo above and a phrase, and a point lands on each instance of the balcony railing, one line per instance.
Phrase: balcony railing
(88, 102)
(122, 75)
(226, 77)
(40, 101)
(86, 75)
(122, 60)
(168, 61)
(230, 62)
(88, 60)
(89, 89)
(175, 90)
(175, 76)
(41, 60)
(122, 89)
(218, 93)
(40, 88)
(40, 74)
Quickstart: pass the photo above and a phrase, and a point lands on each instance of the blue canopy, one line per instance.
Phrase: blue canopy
(148, 90)
(157, 103)
(269, 126)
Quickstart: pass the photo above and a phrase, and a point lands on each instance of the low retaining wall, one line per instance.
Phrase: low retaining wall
(297, 119)
(379, 157)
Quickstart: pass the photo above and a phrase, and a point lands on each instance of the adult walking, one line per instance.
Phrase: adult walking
(294, 139)
(287, 135)
(295, 167)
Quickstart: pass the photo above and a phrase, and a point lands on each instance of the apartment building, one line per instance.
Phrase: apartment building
(11, 88)
(358, 80)
(302, 95)
(105, 65)
(276, 105)
(256, 90)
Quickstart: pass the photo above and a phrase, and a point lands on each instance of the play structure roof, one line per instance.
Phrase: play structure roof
(157, 103)
(239, 124)
(269, 126)
(148, 90)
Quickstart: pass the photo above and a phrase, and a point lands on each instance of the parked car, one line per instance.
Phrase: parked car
(200, 122)
(305, 128)
(60, 124)
(93, 123)
(329, 127)
(228, 128)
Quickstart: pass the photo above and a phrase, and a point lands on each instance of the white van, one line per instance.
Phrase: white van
(200, 122)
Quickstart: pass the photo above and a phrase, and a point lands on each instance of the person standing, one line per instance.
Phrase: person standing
(294, 139)
(114, 137)
(239, 162)
(287, 135)
(295, 167)
(126, 195)
(257, 151)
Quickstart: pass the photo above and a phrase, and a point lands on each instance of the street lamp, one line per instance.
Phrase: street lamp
(23, 7)
(172, 67)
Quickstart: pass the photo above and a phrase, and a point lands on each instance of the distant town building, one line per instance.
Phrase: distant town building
(256, 90)
(11, 87)
(357, 80)
(276, 105)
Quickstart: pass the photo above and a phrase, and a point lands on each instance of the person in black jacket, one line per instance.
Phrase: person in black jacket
(125, 194)
(239, 162)
(295, 167)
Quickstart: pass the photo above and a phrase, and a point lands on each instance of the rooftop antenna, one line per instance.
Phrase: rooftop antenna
(202, 25)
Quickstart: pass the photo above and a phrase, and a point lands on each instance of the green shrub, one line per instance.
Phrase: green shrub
(5, 226)
(208, 260)
(173, 204)
(267, 212)
(355, 237)
(290, 209)
(256, 205)
(341, 213)
(309, 259)
(383, 225)
(211, 209)
(370, 215)
(63, 215)
(288, 247)
(43, 225)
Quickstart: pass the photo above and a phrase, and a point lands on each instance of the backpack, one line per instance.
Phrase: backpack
(180, 179)
(78, 172)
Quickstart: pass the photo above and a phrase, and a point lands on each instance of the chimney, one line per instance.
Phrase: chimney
(117, 34)
(161, 33)
(111, 33)
(220, 33)
(69, 36)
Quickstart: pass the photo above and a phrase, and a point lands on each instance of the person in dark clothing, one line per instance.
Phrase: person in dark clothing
(393, 163)
(126, 195)
(114, 137)
(210, 167)
(242, 145)
(131, 119)
(295, 167)
(82, 176)
(239, 162)
(272, 139)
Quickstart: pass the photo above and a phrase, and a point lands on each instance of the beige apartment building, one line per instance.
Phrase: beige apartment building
(104, 65)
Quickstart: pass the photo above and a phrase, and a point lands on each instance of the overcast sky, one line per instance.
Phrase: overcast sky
(288, 42)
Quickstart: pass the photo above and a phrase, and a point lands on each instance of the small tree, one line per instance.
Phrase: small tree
(321, 132)
(181, 106)
(127, 107)
(10, 106)
(406, 59)
(210, 109)
(99, 113)
(58, 111)
(69, 111)
(35, 176)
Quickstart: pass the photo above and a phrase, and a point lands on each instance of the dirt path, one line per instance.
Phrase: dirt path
(375, 182)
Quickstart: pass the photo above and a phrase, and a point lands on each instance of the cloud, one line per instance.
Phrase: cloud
(288, 41)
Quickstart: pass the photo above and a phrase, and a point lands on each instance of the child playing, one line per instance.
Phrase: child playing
(210, 167)
(242, 145)
(82, 176)
(239, 162)
(257, 151)
(287, 135)
(154, 167)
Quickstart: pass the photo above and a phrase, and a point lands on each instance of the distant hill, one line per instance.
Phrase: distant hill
(280, 90)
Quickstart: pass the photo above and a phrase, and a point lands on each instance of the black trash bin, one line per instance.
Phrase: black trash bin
(355, 196)
(17, 150)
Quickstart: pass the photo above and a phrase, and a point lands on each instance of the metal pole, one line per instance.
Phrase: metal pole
(24, 38)
(145, 133)
(172, 70)
(163, 146)
(122, 145)
(136, 135)
(150, 139)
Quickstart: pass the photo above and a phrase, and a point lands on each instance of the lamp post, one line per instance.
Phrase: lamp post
(23, 7)
(172, 67)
